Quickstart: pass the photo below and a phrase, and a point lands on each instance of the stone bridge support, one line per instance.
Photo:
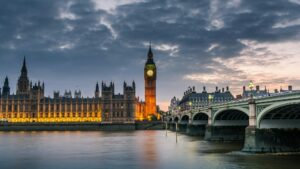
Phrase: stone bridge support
(250, 131)
(209, 127)
(262, 140)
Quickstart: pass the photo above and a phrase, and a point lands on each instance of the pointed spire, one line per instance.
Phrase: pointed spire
(6, 88)
(97, 87)
(265, 88)
(150, 54)
(97, 90)
(24, 68)
(133, 85)
(6, 83)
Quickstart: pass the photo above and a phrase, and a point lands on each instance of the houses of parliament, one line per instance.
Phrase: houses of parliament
(29, 103)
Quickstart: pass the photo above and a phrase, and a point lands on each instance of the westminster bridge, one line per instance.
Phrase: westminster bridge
(266, 124)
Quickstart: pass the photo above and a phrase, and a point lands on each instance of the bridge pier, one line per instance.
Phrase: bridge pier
(172, 126)
(195, 129)
(225, 133)
(271, 140)
(182, 127)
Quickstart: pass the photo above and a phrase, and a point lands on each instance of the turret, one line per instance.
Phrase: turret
(124, 85)
(133, 85)
(204, 89)
(56, 94)
(37, 91)
(6, 88)
(97, 92)
(77, 94)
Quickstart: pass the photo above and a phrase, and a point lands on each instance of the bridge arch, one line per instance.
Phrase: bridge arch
(280, 115)
(176, 119)
(185, 119)
(231, 117)
(200, 118)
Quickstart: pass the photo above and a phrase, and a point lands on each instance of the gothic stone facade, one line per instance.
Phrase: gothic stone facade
(29, 104)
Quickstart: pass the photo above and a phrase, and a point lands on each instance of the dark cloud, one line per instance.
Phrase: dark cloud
(73, 44)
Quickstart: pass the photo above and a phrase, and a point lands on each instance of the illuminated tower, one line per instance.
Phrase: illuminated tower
(150, 85)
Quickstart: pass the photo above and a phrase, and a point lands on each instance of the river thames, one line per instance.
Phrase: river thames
(132, 150)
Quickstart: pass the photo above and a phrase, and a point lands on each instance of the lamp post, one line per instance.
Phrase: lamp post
(210, 98)
(190, 105)
(251, 86)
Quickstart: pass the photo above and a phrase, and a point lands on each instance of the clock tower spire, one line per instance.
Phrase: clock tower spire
(150, 85)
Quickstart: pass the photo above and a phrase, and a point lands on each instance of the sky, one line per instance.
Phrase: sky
(74, 44)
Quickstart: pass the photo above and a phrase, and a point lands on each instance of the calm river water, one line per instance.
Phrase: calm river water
(128, 150)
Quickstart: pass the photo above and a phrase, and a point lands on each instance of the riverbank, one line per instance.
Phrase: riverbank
(85, 126)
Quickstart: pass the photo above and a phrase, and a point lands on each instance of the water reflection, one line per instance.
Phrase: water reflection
(139, 149)
(147, 149)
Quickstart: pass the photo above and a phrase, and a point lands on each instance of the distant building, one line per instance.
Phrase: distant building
(289, 90)
(257, 92)
(191, 99)
(174, 105)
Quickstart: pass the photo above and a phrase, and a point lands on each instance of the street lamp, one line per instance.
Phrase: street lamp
(210, 98)
(251, 86)
(190, 104)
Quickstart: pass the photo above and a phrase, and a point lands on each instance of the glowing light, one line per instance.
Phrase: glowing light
(251, 85)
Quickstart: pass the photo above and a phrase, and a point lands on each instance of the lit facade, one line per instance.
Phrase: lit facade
(29, 104)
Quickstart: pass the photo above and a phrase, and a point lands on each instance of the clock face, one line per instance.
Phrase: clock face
(150, 73)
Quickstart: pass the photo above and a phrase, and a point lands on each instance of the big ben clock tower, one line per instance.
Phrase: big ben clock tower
(150, 85)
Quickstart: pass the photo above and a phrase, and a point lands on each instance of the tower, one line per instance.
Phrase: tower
(107, 93)
(97, 91)
(23, 81)
(150, 85)
(6, 88)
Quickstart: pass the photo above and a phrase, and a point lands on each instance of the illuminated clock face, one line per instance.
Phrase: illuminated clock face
(150, 73)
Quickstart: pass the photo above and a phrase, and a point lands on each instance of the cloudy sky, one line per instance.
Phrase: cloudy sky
(73, 44)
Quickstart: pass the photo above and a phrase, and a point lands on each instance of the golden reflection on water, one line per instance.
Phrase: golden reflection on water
(148, 150)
